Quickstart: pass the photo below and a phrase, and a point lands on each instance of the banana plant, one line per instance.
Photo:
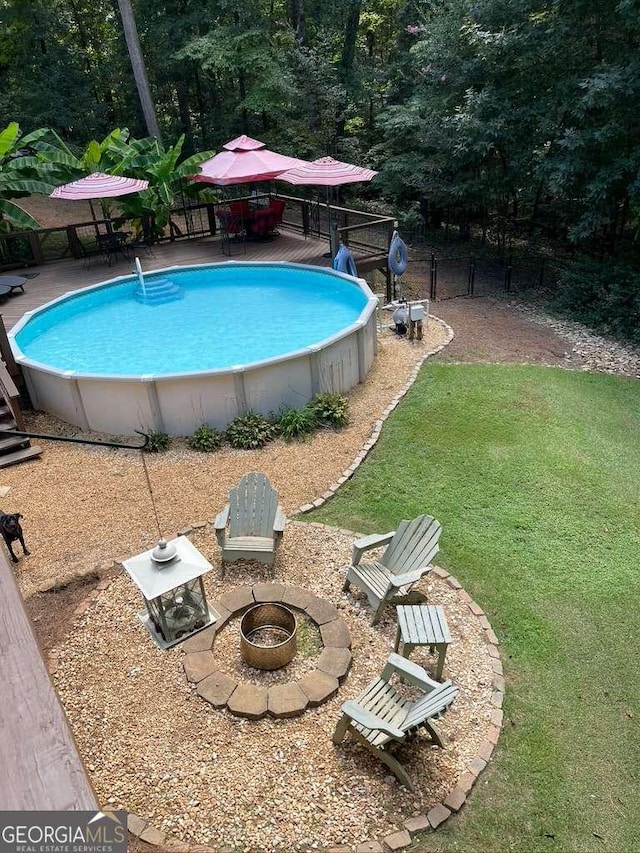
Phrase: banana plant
(19, 176)
(148, 159)
(60, 164)
(63, 164)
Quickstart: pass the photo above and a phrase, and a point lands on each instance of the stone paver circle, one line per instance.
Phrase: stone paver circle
(244, 699)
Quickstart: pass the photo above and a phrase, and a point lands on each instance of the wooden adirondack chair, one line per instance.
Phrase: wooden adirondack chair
(410, 550)
(255, 521)
(381, 716)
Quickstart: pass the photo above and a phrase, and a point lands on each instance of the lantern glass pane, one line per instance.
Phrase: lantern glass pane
(184, 610)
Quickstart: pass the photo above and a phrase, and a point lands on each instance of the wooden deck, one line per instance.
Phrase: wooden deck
(41, 765)
(58, 278)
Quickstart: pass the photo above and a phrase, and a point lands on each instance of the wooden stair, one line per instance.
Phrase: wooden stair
(13, 449)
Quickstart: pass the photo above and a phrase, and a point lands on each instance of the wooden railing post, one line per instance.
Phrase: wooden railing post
(36, 248)
(6, 352)
(74, 241)
(211, 216)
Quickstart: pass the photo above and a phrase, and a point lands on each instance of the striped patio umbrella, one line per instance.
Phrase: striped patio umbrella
(327, 172)
(99, 185)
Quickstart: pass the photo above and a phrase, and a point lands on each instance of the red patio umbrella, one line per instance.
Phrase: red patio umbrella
(244, 161)
(327, 172)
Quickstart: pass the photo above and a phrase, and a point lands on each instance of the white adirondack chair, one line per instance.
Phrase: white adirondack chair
(251, 525)
(408, 556)
(381, 717)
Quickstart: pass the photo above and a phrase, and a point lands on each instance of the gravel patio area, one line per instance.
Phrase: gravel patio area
(154, 747)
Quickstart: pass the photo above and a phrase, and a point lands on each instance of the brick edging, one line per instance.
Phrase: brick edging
(437, 814)
(377, 427)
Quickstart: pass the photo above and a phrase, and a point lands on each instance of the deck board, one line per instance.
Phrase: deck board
(41, 764)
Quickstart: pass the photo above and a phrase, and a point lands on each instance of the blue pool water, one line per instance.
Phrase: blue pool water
(230, 315)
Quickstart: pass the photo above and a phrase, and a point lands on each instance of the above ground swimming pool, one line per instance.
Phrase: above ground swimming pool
(190, 345)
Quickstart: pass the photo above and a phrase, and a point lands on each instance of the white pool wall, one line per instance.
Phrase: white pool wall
(179, 403)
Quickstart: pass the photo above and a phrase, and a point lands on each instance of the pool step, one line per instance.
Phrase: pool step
(157, 291)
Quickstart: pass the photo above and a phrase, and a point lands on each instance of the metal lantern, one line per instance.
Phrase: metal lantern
(170, 578)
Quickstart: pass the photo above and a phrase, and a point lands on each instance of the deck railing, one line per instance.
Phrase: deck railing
(367, 233)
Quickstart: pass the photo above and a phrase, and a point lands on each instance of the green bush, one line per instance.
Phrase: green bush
(331, 409)
(206, 438)
(250, 431)
(605, 296)
(296, 423)
(158, 441)
(410, 218)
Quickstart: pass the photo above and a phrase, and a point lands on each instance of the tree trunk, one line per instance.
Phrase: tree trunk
(182, 95)
(139, 70)
(348, 55)
(350, 36)
(296, 14)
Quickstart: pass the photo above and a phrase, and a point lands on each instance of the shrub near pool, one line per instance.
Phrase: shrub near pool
(331, 409)
(250, 431)
(157, 442)
(206, 439)
(296, 423)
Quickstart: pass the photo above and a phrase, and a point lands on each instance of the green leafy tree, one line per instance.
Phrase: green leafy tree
(516, 111)
(17, 176)
(161, 167)
(61, 65)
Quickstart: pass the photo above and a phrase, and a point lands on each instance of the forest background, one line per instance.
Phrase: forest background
(517, 120)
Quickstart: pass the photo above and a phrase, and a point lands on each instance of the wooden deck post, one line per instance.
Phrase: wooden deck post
(5, 351)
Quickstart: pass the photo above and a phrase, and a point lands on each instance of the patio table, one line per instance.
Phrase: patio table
(113, 244)
(12, 282)
(422, 625)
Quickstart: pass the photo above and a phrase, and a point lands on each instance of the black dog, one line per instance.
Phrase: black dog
(11, 530)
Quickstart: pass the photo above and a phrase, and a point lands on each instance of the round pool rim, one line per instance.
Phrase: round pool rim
(24, 360)
(72, 404)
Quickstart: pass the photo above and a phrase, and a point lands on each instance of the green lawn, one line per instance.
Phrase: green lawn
(534, 475)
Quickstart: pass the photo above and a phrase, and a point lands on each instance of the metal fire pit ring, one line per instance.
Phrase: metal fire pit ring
(268, 616)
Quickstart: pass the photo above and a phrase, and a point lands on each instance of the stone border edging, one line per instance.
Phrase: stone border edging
(244, 699)
(399, 840)
(377, 427)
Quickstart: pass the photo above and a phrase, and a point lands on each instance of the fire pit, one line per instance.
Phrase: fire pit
(268, 636)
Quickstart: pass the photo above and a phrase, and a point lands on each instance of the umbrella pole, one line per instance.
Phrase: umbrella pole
(95, 218)
(332, 249)
(106, 216)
